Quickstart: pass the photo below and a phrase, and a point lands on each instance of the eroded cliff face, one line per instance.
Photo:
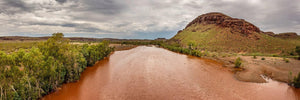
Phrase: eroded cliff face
(288, 35)
(219, 19)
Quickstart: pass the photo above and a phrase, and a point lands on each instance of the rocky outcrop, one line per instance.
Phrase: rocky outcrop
(237, 25)
(270, 33)
(289, 35)
(179, 31)
(161, 39)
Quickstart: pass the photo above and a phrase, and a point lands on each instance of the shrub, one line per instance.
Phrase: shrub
(191, 45)
(254, 57)
(298, 51)
(296, 81)
(286, 60)
(292, 54)
(263, 58)
(238, 63)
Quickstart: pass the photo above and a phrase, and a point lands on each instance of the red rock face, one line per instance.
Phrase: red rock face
(287, 35)
(237, 25)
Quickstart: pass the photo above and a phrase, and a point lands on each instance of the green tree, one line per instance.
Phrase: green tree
(29, 74)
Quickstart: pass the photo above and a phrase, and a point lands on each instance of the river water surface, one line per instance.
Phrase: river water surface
(151, 73)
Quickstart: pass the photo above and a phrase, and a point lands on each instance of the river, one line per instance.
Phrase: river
(151, 73)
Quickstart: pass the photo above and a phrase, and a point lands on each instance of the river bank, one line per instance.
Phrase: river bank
(149, 73)
(277, 68)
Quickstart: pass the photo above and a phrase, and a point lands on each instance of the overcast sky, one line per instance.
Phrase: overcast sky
(143, 19)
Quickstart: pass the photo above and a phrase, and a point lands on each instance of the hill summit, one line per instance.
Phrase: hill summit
(221, 33)
(220, 19)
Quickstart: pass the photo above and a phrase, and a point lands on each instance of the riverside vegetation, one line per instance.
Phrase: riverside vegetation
(32, 73)
(28, 74)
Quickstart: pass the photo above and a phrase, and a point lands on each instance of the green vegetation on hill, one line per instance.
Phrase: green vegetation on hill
(220, 39)
(42, 69)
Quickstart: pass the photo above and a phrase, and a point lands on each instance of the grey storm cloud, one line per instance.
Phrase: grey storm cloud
(61, 1)
(137, 18)
(108, 7)
(13, 6)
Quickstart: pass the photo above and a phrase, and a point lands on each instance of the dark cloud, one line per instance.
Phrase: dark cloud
(137, 18)
(69, 25)
(79, 27)
(14, 6)
(107, 7)
(61, 1)
(15, 3)
(54, 24)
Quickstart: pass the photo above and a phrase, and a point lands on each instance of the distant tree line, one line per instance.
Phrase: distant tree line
(172, 47)
(152, 42)
(30, 74)
(179, 49)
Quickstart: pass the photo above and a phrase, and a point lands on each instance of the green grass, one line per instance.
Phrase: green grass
(10, 46)
(219, 39)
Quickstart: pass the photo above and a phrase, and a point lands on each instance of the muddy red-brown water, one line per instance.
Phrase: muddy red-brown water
(151, 73)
